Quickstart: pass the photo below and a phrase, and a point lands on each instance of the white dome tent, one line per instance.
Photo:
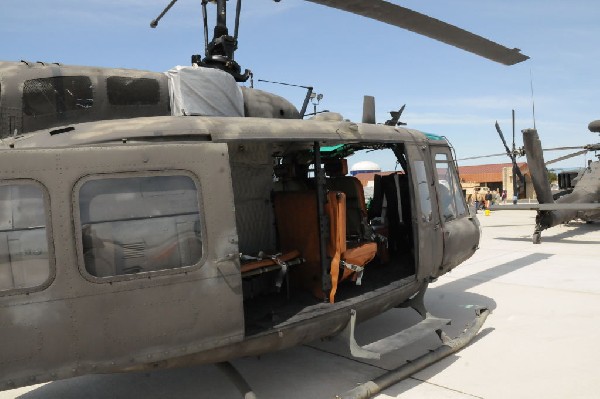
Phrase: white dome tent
(364, 167)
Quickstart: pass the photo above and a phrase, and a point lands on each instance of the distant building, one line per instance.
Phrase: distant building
(489, 175)
(497, 177)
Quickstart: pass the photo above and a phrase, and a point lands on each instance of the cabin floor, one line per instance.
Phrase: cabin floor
(265, 311)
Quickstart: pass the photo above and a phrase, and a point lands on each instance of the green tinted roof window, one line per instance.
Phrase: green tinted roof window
(431, 136)
(337, 151)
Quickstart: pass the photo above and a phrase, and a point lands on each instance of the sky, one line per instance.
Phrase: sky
(447, 91)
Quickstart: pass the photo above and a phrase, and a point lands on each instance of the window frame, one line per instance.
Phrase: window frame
(49, 238)
(420, 170)
(454, 188)
(142, 275)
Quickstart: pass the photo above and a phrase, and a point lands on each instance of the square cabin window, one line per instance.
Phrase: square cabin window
(123, 90)
(24, 260)
(132, 225)
(57, 95)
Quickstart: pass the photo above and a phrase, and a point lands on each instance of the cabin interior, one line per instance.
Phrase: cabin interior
(369, 239)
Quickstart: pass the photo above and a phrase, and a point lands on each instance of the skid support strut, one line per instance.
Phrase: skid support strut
(417, 302)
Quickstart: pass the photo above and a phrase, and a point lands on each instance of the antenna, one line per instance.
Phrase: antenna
(309, 93)
(513, 124)
(532, 100)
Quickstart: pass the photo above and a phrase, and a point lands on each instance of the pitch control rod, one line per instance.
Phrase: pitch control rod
(154, 23)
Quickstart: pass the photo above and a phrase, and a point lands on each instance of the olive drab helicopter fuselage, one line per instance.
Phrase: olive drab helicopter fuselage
(121, 238)
(152, 220)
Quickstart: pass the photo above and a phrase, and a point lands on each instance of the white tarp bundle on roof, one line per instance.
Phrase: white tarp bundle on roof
(204, 91)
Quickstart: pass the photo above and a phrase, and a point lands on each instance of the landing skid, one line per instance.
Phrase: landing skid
(386, 345)
(371, 388)
(403, 338)
(238, 380)
(399, 340)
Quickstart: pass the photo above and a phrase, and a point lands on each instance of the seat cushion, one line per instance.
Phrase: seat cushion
(359, 256)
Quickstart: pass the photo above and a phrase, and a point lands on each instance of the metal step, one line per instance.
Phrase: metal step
(394, 342)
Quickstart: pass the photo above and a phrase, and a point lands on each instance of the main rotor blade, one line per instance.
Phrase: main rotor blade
(483, 156)
(511, 155)
(563, 148)
(508, 151)
(422, 24)
(545, 149)
(567, 156)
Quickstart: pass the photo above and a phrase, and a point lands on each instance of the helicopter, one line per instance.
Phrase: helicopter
(159, 220)
(579, 191)
(578, 200)
(513, 152)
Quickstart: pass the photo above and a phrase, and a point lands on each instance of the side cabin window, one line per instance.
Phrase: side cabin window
(139, 224)
(24, 259)
(57, 95)
(123, 90)
(452, 203)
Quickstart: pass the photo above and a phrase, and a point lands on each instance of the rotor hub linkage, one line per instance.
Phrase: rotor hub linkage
(220, 51)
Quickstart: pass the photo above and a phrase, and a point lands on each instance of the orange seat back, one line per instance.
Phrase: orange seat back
(298, 228)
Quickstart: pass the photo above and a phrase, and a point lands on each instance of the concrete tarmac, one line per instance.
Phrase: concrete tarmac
(538, 342)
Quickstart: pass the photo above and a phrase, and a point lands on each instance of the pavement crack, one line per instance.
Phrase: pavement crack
(447, 388)
(355, 360)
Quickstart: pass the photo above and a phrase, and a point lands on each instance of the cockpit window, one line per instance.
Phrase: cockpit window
(450, 196)
(24, 260)
(423, 190)
(139, 224)
(132, 91)
(57, 95)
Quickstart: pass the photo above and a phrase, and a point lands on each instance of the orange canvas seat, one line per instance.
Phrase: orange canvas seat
(357, 229)
(267, 262)
(263, 263)
(298, 227)
(358, 256)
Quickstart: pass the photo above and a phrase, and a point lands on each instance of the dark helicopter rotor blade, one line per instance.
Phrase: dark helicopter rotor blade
(483, 156)
(563, 148)
(433, 28)
(544, 149)
(511, 155)
(508, 151)
(536, 165)
(567, 156)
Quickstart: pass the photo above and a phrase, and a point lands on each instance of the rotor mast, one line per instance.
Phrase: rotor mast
(219, 52)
